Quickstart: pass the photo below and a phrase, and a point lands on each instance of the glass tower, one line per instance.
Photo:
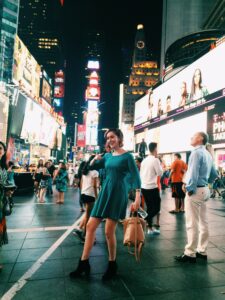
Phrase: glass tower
(9, 11)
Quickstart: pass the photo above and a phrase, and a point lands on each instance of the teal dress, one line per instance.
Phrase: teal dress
(113, 197)
(62, 180)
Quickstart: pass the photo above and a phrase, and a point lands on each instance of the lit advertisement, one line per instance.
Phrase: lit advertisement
(92, 105)
(92, 93)
(92, 135)
(57, 102)
(59, 88)
(93, 65)
(38, 125)
(4, 104)
(26, 70)
(81, 135)
(93, 89)
(59, 91)
(128, 134)
(92, 117)
(176, 136)
(46, 90)
(195, 86)
(216, 124)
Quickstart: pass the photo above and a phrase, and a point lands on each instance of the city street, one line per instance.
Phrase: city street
(42, 251)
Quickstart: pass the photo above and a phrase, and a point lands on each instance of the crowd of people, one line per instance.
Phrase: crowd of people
(109, 177)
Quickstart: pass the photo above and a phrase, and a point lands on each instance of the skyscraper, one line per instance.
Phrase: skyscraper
(9, 11)
(144, 74)
(39, 28)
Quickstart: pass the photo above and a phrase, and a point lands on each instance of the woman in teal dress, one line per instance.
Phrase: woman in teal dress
(61, 179)
(112, 201)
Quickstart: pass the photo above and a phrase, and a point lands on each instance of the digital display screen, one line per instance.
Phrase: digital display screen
(190, 88)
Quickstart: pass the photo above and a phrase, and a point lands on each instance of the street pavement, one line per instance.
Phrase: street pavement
(42, 251)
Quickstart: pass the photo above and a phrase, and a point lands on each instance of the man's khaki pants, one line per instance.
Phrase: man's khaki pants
(196, 222)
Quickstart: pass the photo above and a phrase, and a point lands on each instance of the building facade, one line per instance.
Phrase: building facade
(39, 28)
(9, 11)
(181, 18)
(144, 74)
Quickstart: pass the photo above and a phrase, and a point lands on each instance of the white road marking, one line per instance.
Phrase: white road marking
(23, 280)
(36, 229)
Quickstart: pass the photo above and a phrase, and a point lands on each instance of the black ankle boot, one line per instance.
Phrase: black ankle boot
(83, 267)
(111, 271)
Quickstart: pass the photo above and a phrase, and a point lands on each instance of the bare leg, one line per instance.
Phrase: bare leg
(88, 207)
(62, 197)
(90, 236)
(182, 204)
(110, 233)
(42, 194)
(177, 203)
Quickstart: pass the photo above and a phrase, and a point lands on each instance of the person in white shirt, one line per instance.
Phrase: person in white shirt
(89, 192)
(150, 170)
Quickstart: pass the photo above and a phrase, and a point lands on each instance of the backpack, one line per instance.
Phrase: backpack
(134, 235)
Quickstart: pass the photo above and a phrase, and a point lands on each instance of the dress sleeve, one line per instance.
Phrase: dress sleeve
(134, 173)
(99, 164)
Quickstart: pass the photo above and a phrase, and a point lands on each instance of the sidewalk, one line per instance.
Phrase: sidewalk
(35, 229)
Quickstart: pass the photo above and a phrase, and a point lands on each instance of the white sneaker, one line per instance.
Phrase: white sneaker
(150, 231)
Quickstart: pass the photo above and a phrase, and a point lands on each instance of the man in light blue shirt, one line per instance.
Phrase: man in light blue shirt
(201, 171)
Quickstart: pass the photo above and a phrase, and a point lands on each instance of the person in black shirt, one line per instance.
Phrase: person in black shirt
(51, 170)
(142, 148)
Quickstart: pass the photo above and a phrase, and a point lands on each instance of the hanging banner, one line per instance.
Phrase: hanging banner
(81, 136)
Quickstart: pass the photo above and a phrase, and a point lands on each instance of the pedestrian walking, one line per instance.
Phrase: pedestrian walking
(79, 175)
(112, 201)
(142, 148)
(51, 170)
(150, 170)
(89, 192)
(178, 169)
(201, 171)
(61, 179)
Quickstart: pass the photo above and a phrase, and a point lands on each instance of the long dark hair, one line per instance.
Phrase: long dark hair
(39, 163)
(3, 160)
(193, 82)
(86, 167)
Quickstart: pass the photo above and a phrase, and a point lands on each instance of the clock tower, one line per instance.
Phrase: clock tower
(140, 46)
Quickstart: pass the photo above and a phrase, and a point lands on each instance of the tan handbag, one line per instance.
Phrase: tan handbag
(134, 235)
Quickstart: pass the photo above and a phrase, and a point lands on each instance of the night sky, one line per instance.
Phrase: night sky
(118, 20)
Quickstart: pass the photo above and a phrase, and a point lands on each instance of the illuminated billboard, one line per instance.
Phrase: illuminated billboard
(59, 88)
(92, 117)
(4, 105)
(81, 135)
(93, 65)
(26, 71)
(92, 135)
(188, 89)
(38, 125)
(46, 92)
(216, 124)
(92, 93)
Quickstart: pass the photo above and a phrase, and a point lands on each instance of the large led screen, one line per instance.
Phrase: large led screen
(185, 90)
(26, 70)
(38, 126)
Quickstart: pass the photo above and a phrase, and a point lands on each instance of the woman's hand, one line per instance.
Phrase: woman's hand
(136, 204)
(97, 157)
